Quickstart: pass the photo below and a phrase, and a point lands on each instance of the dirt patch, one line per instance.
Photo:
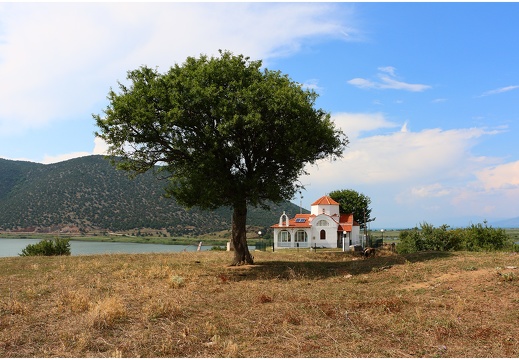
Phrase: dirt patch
(453, 280)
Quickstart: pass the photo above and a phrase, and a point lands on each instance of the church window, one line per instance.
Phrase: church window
(284, 236)
(301, 236)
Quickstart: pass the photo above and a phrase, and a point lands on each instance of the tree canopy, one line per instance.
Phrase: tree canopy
(224, 131)
(353, 202)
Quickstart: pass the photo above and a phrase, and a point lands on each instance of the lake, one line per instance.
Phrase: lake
(13, 247)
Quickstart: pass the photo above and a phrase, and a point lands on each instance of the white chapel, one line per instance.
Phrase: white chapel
(324, 227)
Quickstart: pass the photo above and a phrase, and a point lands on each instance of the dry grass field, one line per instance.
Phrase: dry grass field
(290, 304)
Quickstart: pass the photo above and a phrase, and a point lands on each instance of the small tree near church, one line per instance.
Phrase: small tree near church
(353, 202)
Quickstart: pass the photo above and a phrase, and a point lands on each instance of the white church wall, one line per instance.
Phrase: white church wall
(324, 226)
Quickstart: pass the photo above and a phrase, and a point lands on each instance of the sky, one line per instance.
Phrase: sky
(427, 93)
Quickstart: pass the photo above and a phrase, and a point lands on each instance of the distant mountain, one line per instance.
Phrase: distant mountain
(508, 223)
(88, 194)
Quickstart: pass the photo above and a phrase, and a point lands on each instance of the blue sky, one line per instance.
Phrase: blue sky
(428, 93)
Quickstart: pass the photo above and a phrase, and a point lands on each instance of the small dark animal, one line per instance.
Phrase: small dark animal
(389, 247)
(369, 252)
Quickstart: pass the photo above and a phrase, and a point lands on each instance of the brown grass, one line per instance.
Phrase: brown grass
(290, 304)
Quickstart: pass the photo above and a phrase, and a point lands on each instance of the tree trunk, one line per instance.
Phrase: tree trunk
(239, 235)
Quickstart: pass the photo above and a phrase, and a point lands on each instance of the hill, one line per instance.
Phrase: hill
(88, 194)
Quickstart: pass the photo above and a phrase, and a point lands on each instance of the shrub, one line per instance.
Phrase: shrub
(429, 238)
(408, 241)
(485, 238)
(48, 247)
(474, 238)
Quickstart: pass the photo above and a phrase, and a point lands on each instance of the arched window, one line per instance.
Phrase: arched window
(301, 236)
(284, 236)
(323, 234)
(323, 223)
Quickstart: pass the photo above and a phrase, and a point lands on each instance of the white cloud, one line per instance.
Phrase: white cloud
(100, 147)
(491, 195)
(416, 172)
(402, 156)
(500, 90)
(390, 83)
(388, 69)
(432, 190)
(312, 84)
(407, 155)
(363, 83)
(46, 69)
(51, 159)
(354, 124)
(387, 80)
(504, 176)
(428, 175)
(58, 60)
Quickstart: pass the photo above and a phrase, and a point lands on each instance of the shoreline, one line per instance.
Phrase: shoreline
(126, 239)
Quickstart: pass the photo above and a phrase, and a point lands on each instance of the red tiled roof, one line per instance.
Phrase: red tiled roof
(325, 200)
(297, 224)
(346, 218)
(345, 222)
(344, 227)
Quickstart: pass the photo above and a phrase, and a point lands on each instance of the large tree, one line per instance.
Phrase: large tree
(223, 130)
(353, 202)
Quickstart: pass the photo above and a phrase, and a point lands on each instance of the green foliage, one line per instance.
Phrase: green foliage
(48, 247)
(353, 202)
(228, 132)
(408, 241)
(225, 131)
(485, 238)
(474, 238)
(11, 173)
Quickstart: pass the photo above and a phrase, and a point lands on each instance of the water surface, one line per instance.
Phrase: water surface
(13, 247)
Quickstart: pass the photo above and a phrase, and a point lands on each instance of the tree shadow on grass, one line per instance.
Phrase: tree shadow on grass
(325, 265)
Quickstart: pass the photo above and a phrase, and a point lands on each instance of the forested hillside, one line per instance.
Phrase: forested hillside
(88, 193)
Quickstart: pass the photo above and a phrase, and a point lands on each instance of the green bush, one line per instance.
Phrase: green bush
(408, 241)
(429, 238)
(474, 238)
(486, 238)
(48, 247)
